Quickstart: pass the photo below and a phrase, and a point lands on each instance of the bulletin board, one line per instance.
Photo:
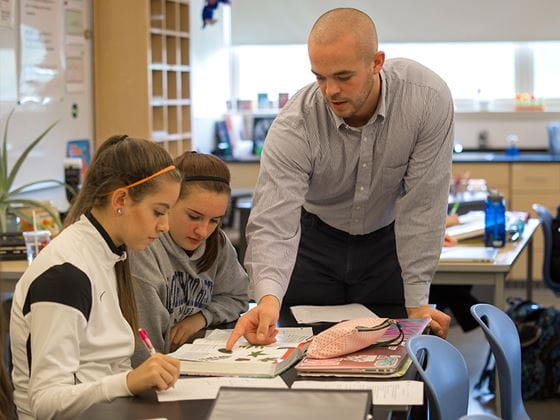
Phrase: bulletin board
(67, 54)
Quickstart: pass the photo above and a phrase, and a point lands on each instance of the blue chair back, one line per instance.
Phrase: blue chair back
(546, 224)
(444, 372)
(503, 338)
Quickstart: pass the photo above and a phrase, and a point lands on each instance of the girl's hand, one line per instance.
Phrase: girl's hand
(449, 241)
(159, 372)
(184, 330)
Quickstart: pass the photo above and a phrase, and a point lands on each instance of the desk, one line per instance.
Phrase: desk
(10, 272)
(493, 274)
(146, 405)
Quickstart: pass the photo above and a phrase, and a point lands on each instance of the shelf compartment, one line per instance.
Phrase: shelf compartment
(158, 119)
(185, 85)
(184, 12)
(156, 14)
(185, 51)
(157, 84)
(172, 88)
(186, 119)
(172, 120)
(156, 45)
(171, 44)
(171, 15)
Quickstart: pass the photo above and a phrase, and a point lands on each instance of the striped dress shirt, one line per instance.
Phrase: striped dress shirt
(395, 167)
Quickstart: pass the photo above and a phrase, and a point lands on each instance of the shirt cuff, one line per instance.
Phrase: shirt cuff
(416, 295)
(207, 316)
(115, 386)
(268, 287)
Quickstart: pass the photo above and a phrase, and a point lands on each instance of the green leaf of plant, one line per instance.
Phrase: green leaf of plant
(4, 156)
(39, 204)
(53, 181)
(26, 152)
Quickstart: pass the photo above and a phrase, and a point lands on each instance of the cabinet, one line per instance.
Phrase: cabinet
(497, 175)
(142, 71)
(522, 184)
(534, 183)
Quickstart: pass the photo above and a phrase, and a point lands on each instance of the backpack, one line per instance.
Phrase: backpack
(539, 334)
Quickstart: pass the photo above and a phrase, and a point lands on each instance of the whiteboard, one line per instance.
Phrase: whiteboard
(30, 119)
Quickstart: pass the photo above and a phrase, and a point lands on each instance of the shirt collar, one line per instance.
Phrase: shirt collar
(381, 110)
(119, 251)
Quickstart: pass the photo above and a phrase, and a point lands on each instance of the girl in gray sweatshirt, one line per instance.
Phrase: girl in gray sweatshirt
(190, 278)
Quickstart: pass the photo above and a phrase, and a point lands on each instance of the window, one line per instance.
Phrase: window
(271, 69)
(474, 71)
(471, 70)
(546, 59)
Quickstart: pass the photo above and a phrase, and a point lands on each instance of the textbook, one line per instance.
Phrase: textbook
(392, 361)
(468, 254)
(208, 356)
(466, 230)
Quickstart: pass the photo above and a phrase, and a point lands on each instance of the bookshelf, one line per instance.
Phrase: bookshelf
(142, 71)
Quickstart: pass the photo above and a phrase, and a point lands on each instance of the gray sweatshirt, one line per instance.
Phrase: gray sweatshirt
(169, 289)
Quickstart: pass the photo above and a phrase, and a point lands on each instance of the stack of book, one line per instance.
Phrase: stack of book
(385, 362)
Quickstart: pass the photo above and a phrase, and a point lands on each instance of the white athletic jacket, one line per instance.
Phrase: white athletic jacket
(71, 345)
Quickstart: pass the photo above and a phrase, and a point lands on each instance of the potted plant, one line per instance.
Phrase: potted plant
(9, 200)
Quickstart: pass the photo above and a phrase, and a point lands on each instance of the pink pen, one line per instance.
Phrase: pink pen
(144, 336)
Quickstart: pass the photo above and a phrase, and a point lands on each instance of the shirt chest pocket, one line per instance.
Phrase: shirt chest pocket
(392, 179)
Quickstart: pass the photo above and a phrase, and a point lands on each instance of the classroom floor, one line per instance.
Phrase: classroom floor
(474, 348)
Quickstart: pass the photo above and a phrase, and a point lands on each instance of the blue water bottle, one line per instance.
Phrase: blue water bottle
(494, 220)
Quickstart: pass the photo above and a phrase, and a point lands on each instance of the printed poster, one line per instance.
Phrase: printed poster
(42, 76)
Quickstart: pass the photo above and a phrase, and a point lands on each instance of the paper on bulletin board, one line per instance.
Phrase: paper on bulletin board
(75, 48)
(75, 68)
(74, 24)
(7, 14)
(42, 77)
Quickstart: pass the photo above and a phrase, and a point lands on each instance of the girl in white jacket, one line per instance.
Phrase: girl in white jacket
(73, 323)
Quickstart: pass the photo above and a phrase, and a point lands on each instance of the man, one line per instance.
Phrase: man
(363, 156)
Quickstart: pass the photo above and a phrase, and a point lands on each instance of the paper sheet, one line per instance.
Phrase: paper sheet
(207, 388)
(305, 314)
(383, 392)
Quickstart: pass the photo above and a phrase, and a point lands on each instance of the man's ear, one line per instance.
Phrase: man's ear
(378, 61)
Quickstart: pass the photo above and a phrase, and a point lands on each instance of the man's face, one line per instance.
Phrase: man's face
(346, 79)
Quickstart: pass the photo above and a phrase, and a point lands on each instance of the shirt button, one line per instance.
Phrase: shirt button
(358, 208)
(364, 165)
(356, 221)
(361, 188)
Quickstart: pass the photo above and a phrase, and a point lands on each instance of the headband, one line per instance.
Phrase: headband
(205, 178)
(134, 184)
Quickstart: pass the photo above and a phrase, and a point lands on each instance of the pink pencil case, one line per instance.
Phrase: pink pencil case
(347, 337)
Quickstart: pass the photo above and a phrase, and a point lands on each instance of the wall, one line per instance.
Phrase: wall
(210, 84)
(289, 21)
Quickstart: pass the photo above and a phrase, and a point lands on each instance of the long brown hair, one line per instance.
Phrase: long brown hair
(118, 162)
(193, 164)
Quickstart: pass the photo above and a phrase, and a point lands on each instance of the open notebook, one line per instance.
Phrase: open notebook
(468, 254)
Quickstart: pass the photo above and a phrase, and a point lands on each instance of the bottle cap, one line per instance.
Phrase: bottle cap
(494, 195)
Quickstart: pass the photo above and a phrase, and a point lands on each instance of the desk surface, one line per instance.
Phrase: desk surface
(506, 256)
(147, 406)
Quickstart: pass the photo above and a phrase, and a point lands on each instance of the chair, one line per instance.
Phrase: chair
(445, 375)
(503, 338)
(546, 223)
